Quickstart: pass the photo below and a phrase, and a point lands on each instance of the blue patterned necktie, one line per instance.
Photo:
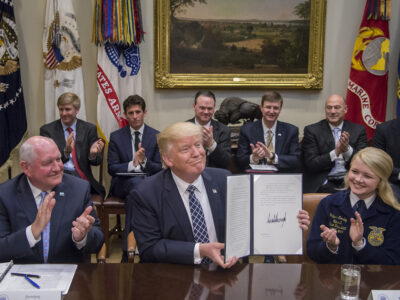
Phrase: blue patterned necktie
(200, 232)
(45, 233)
(360, 207)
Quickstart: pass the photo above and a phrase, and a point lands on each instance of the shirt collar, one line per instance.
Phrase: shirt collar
(141, 129)
(368, 201)
(73, 126)
(36, 191)
(340, 126)
(265, 128)
(206, 126)
(183, 185)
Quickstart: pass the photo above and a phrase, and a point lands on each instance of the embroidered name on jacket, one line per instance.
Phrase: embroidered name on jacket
(337, 222)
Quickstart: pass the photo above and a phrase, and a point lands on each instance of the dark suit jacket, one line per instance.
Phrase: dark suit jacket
(18, 210)
(86, 135)
(317, 142)
(221, 156)
(120, 153)
(286, 145)
(387, 138)
(160, 221)
(381, 232)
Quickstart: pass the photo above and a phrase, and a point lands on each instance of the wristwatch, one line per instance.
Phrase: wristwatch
(270, 161)
(66, 153)
(273, 156)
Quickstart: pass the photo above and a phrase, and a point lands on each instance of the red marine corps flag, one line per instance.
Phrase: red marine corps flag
(367, 85)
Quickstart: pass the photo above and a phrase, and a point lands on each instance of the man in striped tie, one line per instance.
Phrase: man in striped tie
(45, 215)
(179, 213)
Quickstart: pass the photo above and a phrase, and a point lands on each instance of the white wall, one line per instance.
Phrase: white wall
(301, 107)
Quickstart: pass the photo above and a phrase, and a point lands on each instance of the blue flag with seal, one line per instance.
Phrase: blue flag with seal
(12, 107)
(398, 90)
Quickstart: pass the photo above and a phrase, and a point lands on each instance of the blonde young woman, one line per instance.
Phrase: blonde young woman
(360, 224)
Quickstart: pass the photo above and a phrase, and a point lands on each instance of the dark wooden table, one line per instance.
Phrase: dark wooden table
(243, 281)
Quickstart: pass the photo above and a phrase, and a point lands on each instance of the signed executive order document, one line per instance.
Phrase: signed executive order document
(261, 212)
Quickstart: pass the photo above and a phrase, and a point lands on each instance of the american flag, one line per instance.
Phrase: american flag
(53, 57)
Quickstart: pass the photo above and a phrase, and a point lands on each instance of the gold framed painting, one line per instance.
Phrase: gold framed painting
(239, 44)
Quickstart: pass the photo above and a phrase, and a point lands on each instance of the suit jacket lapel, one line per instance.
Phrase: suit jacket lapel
(61, 194)
(59, 135)
(78, 139)
(327, 135)
(213, 194)
(259, 132)
(280, 134)
(216, 129)
(174, 200)
(145, 137)
(345, 126)
(26, 200)
(126, 142)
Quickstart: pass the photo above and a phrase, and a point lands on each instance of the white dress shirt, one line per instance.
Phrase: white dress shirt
(131, 167)
(37, 195)
(201, 194)
(273, 141)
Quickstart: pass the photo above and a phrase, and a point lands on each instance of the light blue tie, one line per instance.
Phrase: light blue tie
(45, 233)
(336, 134)
(200, 232)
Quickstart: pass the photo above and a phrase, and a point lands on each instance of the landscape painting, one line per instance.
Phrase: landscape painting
(239, 43)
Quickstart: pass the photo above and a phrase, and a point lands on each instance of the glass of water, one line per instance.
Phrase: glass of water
(350, 281)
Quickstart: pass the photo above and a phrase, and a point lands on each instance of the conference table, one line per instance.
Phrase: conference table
(243, 281)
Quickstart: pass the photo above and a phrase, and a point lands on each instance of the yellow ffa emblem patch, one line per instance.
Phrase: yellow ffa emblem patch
(375, 237)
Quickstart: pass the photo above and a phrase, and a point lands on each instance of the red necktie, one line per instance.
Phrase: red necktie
(75, 160)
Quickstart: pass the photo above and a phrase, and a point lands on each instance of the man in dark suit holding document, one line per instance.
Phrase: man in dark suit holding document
(45, 215)
(179, 213)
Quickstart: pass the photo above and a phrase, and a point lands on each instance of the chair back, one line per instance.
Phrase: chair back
(310, 204)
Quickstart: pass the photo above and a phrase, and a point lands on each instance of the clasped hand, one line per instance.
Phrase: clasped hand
(70, 142)
(43, 215)
(208, 137)
(356, 233)
(140, 155)
(259, 151)
(82, 225)
(343, 143)
(97, 147)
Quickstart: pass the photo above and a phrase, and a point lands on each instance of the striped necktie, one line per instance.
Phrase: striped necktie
(200, 231)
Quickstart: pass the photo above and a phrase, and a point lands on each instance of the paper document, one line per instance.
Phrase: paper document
(277, 201)
(264, 167)
(238, 216)
(52, 277)
(133, 174)
(261, 215)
